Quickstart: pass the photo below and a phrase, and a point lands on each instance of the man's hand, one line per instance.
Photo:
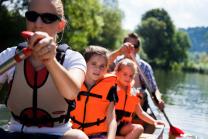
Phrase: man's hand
(161, 104)
(126, 49)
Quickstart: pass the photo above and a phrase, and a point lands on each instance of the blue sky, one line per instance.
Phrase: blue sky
(184, 13)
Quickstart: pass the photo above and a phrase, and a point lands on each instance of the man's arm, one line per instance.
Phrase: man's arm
(125, 49)
(112, 56)
(156, 93)
(158, 99)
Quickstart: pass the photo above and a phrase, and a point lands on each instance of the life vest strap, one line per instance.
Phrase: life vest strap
(85, 125)
(40, 122)
(121, 113)
(84, 93)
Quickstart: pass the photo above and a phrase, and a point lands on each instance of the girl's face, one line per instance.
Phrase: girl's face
(39, 7)
(125, 76)
(96, 68)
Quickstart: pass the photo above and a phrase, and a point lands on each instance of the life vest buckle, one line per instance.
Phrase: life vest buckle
(98, 122)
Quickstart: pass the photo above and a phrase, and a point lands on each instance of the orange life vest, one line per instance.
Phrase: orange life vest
(91, 106)
(127, 102)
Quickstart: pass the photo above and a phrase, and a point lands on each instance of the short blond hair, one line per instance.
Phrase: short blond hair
(126, 62)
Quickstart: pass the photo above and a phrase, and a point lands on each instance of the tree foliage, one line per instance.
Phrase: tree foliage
(162, 16)
(11, 24)
(89, 22)
(112, 32)
(84, 22)
(163, 44)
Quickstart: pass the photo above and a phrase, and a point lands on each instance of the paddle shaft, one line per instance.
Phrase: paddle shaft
(166, 117)
(149, 88)
(23, 54)
(173, 130)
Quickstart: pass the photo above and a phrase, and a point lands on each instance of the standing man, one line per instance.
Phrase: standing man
(130, 49)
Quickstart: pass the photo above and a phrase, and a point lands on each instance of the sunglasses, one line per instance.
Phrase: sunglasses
(47, 18)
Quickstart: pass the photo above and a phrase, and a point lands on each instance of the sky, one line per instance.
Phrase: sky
(184, 13)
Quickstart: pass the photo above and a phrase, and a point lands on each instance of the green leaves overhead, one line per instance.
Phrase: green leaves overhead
(89, 22)
(112, 32)
(84, 21)
(163, 44)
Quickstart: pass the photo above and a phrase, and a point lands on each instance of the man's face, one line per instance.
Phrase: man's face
(134, 42)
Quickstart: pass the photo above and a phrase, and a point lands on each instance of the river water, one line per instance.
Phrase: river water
(186, 98)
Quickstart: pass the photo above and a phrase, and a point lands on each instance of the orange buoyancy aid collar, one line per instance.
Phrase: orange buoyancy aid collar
(91, 106)
(126, 104)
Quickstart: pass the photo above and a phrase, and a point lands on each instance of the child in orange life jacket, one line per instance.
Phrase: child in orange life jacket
(129, 102)
(94, 113)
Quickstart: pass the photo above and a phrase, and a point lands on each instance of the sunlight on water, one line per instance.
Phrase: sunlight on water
(186, 98)
(187, 120)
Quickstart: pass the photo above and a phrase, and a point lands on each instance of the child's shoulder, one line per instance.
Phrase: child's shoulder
(110, 77)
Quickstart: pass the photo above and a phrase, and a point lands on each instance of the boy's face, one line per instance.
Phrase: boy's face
(125, 76)
(96, 68)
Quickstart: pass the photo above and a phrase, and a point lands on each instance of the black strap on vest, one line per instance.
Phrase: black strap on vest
(84, 93)
(71, 107)
(86, 125)
(60, 55)
(122, 113)
(61, 50)
(40, 122)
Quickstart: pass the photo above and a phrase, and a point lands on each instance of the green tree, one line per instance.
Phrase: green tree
(163, 44)
(152, 31)
(163, 16)
(11, 24)
(112, 33)
(84, 22)
(89, 22)
(181, 43)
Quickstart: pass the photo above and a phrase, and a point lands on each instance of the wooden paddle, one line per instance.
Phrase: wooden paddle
(173, 130)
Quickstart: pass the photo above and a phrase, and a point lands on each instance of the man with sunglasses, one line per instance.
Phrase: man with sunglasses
(130, 49)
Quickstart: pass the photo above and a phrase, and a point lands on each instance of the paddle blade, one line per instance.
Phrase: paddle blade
(176, 131)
